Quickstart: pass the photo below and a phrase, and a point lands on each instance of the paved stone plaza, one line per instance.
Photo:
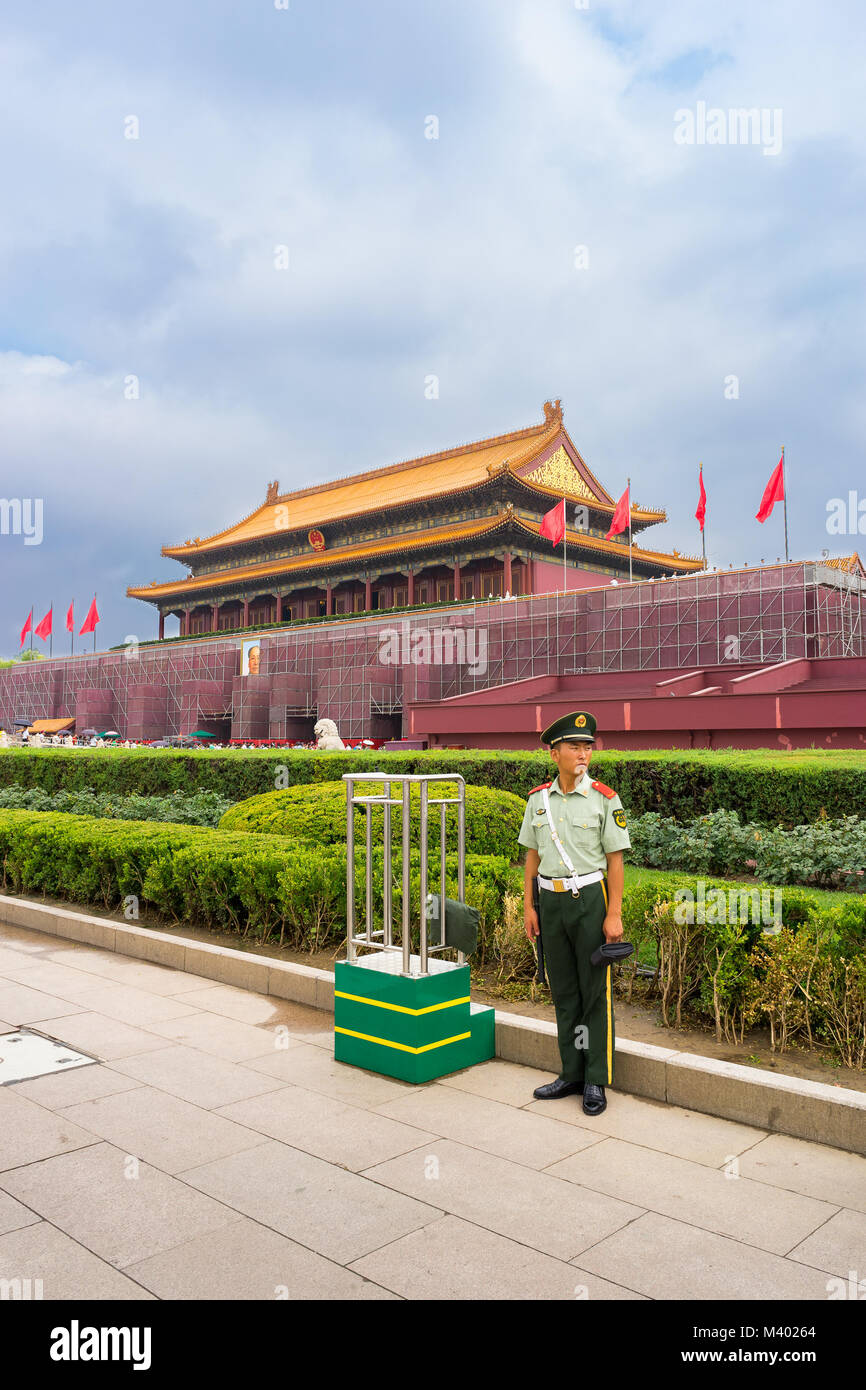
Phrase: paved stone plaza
(219, 1152)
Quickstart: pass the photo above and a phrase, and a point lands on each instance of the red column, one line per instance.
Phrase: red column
(279, 617)
(329, 600)
(529, 569)
(457, 582)
(214, 617)
(161, 626)
(507, 575)
(184, 626)
(411, 594)
(368, 595)
(246, 621)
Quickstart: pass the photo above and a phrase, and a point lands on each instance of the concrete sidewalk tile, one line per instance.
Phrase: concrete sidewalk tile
(60, 1089)
(26, 1005)
(166, 1132)
(798, 1165)
(145, 975)
(248, 1261)
(839, 1247)
(12, 1215)
(28, 1132)
(317, 1070)
(334, 1212)
(120, 1211)
(66, 1270)
(222, 1037)
(130, 1005)
(690, 1192)
(195, 1076)
(325, 1127)
(652, 1124)
(534, 1208)
(497, 1080)
(452, 1259)
(247, 1007)
(105, 1038)
(52, 978)
(504, 1130)
(667, 1260)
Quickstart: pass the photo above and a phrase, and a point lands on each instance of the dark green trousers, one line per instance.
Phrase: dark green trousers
(571, 929)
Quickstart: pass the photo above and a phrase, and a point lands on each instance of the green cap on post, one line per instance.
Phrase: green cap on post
(579, 726)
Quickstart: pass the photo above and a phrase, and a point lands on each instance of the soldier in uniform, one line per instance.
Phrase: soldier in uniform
(574, 832)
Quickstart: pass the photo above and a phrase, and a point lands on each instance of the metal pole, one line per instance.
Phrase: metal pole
(461, 851)
(368, 875)
(628, 495)
(350, 872)
(406, 939)
(442, 810)
(423, 846)
(564, 544)
(785, 503)
(387, 901)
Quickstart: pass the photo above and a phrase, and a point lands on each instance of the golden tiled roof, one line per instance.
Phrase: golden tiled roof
(852, 564)
(415, 480)
(435, 537)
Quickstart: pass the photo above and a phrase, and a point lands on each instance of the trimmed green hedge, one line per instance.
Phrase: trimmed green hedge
(807, 983)
(317, 813)
(761, 786)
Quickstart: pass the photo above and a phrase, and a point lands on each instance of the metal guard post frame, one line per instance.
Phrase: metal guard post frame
(383, 940)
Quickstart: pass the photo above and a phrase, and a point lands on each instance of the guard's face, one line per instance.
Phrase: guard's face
(571, 758)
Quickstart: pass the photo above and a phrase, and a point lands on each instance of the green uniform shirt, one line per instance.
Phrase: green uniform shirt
(589, 824)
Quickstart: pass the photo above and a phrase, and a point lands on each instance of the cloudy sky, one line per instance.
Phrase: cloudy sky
(687, 300)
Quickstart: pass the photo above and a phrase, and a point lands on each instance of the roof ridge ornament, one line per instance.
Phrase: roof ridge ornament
(553, 412)
(272, 492)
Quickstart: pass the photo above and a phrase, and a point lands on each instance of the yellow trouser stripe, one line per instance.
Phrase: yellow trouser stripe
(400, 1008)
(609, 1031)
(604, 890)
(403, 1047)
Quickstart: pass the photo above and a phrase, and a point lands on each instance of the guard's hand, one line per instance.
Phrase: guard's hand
(613, 927)
(530, 923)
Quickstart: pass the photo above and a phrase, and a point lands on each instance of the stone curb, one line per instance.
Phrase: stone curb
(780, 1104)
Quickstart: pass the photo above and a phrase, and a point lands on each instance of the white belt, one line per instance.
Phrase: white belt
(570, 885)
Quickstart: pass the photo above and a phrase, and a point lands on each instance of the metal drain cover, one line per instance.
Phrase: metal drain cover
(24, 1055)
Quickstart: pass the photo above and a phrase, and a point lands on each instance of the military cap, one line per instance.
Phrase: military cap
(579, 725)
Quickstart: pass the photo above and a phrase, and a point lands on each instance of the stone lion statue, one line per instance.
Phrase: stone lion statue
(326, 735)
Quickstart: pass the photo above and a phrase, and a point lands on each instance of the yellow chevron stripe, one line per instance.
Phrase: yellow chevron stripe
(400, 1008)
(403, 1047)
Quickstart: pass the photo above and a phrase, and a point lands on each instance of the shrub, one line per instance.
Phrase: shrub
(318, 814)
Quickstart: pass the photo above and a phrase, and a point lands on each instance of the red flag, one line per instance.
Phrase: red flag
(774, 491)
(44, 628)
(621, 519)
(89, 624)
(553, 523)
(27, 626)
(70, 621)
(701, 513)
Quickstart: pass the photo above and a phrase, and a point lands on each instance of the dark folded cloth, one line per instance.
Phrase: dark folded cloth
(608, 953)
(461, 924)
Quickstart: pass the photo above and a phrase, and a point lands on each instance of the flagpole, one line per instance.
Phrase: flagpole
(785, 503)
(94, 627)
(703, 523)
(72, 632)
(51, 633)
(32, 611)
(628, 487)
(564, 543)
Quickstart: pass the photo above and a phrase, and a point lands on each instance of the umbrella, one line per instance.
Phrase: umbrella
(110, 733)
(201, 733)
(22, 723)
(90, 733)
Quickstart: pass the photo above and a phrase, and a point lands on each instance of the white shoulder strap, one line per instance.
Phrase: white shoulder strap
(556, 840)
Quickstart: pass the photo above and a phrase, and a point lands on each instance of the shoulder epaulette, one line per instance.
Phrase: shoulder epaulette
(541, 788)
(605, 791)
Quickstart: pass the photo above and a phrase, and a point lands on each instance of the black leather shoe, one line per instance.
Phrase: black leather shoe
(554, 1089)
(594, 1101)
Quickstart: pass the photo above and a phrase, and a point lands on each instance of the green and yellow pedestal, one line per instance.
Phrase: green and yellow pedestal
(413, 1027)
